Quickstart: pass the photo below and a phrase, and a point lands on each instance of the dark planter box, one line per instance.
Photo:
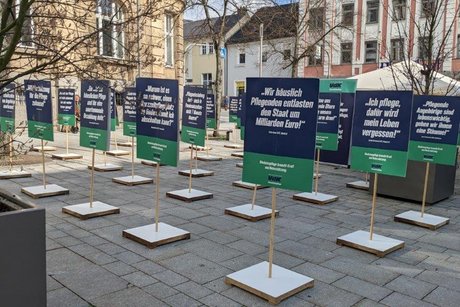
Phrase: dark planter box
(22, 252)
(441, 183)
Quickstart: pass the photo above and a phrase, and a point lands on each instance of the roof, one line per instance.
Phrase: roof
(200, 29)
(279, 22)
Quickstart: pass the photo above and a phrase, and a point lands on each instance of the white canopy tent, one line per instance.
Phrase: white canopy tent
(396, 77)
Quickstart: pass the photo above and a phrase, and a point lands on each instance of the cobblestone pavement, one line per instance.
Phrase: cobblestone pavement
(90, 263)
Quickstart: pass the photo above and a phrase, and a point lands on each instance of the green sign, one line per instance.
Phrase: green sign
(39, 109)
(434, 129)
(280, 129)
(211, 122)
(95, 114)
(233, 109)
(194, 115)
(380, 134)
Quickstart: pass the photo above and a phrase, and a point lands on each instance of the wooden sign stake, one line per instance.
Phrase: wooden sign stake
(157, 196)
(191, 166)
(91, 190)
(425, 186)
(43, 163)
(67, 139)
(132, 157)
(374, 196)
(196, 156)
(206, 144)
(317, 170)
(272, 234)
(254, 197)
(11, 152)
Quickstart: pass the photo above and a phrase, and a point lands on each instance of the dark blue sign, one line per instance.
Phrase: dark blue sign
(194, 107)
(328, 113)
(38, 101)
(66, 101)
(210, 106)
(129, 105)
(95, 104)
(7, 101)
(382, 119)
(342, 155)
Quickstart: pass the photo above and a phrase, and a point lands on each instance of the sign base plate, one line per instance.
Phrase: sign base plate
(146, 235)
(150, 163)
(84, 211)
(125, 144)
(45, 148)
(187, 196)
(200, 148)
(316, 198)
(14, 174)
(106, 167)
(429, 221)
(118, 153)
(360, 185)
(247, 185)
(233, 146)
(246, 212)
(283, 284)
(239, 164)
(379, 245)
(238, 154)
(209, 158)
(196, 172)
(132, 180)
(40, 191)
(69, 156)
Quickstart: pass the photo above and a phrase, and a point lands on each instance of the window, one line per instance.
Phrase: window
(347, 49)
(206, 79)
(372, 12)
(109, 19)
(207, 48)
(371, 52)
(316, 21)
(210, 48)
(241, 56)
(316, 56)
(399, 9)
(423, 48)
(458, 46)
(428, 7)
(286, 54)
(27, 30)
(204, 49)
(347, 14)
(397, 49)
(169, 40)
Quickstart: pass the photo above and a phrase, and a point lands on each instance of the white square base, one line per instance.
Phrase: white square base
(69, 156)
(132, 180)
(196, 172)
(187, 196)
(200, 148)
(14, 174)
(315, 176)
(118, 152)
(150, 163)
(106, 167)
(84, 211)
(379, 245)
(45, 148)
(146, 235)
(125, 144)
(316, 198)
(240, 164)
(360, 185)
(238, 154)
(209, 158)
(429, 221)
(233, 146)
(246, 212)
(283, 284)
(247, 185)
(40, 191)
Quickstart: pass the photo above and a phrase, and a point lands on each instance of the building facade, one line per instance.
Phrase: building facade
(347, 37)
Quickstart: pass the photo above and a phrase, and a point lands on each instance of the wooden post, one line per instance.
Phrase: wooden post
(132, 157)
(43, 163)
(196, 157)
(317, 170)
(157, 197)
(105, 158)
(91, 189)
(366, 177)
(190, 174)
(11, 152)
(272, 234)
(115, 137)
(374, 196)
(254, 196)
(425, 187)
(206, 144)
(67, 139)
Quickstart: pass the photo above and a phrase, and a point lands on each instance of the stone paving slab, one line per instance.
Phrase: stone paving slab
(90, 263)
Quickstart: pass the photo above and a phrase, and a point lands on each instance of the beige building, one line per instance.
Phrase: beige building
(88, 39)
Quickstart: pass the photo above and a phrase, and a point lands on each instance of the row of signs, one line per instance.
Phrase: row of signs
(283, 122)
